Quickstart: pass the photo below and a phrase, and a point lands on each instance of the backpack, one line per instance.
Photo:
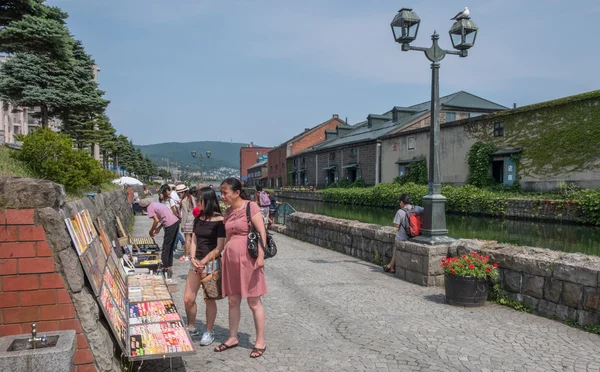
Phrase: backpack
(264, 199)
(413, 223)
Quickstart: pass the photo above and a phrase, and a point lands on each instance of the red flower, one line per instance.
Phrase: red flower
(464, 256)
(495, 265)
(471, 266)
(469, 261)
(452, 271)
(489, 270)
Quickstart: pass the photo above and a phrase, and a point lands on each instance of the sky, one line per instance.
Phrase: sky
(261, 71)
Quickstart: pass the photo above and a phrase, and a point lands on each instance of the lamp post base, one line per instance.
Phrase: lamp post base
(434, 230)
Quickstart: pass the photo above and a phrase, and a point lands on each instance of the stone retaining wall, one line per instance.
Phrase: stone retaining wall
(357, 239)
(302, 195)
(528, 209)
(553, 284)
(41, 278)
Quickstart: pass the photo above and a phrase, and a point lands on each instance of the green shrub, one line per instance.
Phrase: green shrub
(479, 159)
(589, 201)
(416, 173)
(344, 184)
(332, 185)
(359, 183)
(51, 156)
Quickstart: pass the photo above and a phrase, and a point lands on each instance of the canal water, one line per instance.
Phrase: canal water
(561, 237)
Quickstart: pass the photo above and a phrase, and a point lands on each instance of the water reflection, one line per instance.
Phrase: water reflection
(563, 237)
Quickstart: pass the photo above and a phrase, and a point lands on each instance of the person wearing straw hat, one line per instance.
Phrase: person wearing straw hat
(187, 217)
(163, 217)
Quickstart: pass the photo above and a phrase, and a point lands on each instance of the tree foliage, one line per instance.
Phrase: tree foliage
(51, 155)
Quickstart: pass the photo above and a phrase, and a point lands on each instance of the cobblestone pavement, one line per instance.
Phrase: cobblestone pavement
(330, 312)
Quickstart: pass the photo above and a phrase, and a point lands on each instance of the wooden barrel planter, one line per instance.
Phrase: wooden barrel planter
(465, 291)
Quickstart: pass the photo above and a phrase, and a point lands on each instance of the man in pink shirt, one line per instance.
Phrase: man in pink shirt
(163, 217)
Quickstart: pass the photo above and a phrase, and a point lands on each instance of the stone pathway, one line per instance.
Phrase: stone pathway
(330, 312)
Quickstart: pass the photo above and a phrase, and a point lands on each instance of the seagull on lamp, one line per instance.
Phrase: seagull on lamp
(464, 14)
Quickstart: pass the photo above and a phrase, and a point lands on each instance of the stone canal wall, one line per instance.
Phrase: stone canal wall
(553, 284)
(368, 242)
(558, 285)
(527, 209)
(41, 277)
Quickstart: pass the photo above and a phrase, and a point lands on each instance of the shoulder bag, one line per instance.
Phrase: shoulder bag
(254, 239)
(211, 284)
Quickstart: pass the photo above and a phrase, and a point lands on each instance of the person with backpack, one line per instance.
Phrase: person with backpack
(408, 222)
(264, 202)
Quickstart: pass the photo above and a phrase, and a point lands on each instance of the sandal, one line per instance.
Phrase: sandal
(257, 352)
(386, 268)
(224, 347)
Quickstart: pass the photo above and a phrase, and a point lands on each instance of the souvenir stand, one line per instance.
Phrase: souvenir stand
(139, 307)
(143, 252)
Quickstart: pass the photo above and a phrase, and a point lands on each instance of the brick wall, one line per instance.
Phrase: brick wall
(32, 289)
(315, 136)
(276, 166)
(248, 157)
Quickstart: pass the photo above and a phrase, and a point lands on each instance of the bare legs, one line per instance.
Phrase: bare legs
(211, 314)
(391, 267)
(258, 312)
(188, 243)
(192, 286)
(234, 319)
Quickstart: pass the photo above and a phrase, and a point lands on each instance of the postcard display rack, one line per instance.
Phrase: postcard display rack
(139, 308)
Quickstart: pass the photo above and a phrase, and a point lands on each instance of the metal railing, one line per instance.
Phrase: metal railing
(282, 213)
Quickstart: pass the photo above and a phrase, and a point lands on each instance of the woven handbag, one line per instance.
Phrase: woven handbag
(211, 284)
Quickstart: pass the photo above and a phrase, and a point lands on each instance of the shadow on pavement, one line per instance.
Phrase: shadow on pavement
(439, 298)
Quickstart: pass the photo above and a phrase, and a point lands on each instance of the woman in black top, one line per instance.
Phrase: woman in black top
(209, 234)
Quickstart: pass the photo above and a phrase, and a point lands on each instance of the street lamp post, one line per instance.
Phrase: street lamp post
(463, 32)
(201, 157)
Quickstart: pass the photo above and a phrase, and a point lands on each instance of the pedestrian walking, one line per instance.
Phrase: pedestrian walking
(163, 217)
(262, 199)
(243, 276)
(187, 218)
(402, 223)
(207, 243)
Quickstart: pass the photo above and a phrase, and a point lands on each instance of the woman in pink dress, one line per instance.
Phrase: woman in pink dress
(243, 276)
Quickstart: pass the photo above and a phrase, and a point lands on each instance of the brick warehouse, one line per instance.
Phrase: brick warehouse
(355, 152)
(249, 156)
(278, 164)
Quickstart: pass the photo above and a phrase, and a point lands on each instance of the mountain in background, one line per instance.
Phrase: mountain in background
(223, 154)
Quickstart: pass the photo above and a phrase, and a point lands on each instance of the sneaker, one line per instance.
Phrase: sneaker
(194, 332)
(187, 258)
(182, 258)
(207, 339)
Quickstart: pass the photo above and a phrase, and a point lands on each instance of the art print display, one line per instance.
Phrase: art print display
(152, 312)
(81, 229)
(113, 286)
(93, 261)
(79, 244)
(114, 315)
(103, 236)
(159, 338)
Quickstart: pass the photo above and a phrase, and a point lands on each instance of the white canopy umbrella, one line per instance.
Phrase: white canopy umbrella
(127, 181)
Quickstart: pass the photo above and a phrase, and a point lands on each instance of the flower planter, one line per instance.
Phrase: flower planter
(465, 290)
